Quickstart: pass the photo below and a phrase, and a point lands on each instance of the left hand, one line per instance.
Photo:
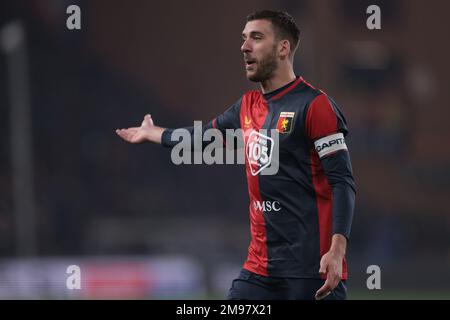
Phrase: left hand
(331, 265)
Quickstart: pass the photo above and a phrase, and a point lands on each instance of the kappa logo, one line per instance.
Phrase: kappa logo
(258, 150)
(284, 124)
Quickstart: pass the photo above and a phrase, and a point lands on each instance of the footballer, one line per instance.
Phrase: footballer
(301, 216)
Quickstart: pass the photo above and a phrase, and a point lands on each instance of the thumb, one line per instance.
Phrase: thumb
(148, 119)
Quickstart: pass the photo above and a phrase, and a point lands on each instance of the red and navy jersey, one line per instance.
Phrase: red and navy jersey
(294, 212)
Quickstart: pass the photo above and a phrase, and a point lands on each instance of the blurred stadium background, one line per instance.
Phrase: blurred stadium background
(71, 192)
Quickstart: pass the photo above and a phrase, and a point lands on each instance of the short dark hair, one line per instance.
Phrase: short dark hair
(285, 27)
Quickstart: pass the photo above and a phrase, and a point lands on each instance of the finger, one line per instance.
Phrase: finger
(126, 134)
(323, 267)
(129, 134)
(334, 276)
(132, 130)
(334, 280)
(125, 131)
(122, 135)
(324, 290)
(322, 296)
(119, 132)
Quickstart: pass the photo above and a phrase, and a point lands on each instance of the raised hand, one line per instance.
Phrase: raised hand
(146, 132)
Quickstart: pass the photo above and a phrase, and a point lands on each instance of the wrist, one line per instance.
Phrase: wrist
(155, 135)
(338, 245)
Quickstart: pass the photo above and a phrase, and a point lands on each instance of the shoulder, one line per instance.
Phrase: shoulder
(317, 97)
(310, 92)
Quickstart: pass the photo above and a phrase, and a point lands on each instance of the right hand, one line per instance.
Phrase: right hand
(146, 132)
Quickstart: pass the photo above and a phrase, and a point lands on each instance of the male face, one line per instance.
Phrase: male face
(260, 50)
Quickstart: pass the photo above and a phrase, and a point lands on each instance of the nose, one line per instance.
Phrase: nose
(245, 46)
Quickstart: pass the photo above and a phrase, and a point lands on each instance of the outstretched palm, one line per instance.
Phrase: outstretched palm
(138, 134)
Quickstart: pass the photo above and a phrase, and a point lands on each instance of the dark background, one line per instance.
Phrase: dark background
(93, 195)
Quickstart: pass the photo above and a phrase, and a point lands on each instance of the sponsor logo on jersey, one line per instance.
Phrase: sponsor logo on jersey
(267, 206)
(258, 151)
(284, 124)
(330, 144)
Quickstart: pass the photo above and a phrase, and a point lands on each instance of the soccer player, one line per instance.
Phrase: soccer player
(300, 217)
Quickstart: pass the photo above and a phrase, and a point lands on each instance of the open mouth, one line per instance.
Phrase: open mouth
(249, 63)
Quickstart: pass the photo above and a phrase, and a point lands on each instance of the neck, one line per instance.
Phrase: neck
(280, 78)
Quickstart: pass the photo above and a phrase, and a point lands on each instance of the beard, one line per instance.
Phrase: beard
(265, 68)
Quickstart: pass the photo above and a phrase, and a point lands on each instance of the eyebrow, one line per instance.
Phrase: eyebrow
(253, 33)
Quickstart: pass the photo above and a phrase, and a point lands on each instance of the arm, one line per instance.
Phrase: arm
(326, 127)
(148, 132)
(337, 167)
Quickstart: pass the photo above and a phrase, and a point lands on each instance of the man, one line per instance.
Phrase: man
(300, 217)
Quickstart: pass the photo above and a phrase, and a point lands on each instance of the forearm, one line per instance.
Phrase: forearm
(230, 119)
(168, 140)
(343, 208)
(338, 170)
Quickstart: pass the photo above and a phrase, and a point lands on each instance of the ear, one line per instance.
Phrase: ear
(284, 48)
